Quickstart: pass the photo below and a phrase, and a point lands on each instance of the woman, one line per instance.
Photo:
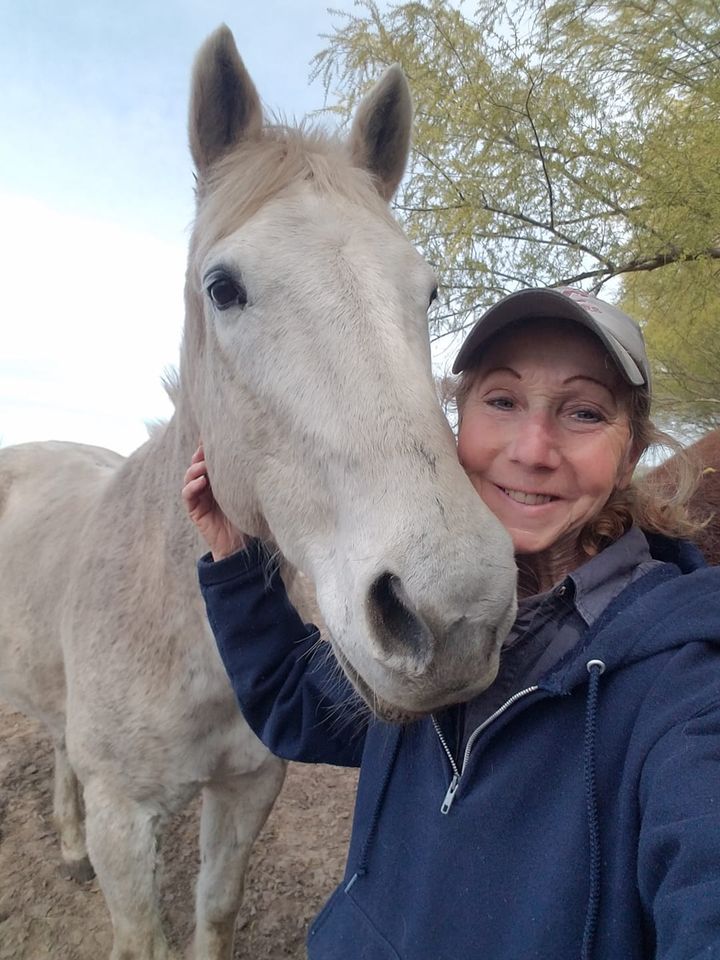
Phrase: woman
(573, 808)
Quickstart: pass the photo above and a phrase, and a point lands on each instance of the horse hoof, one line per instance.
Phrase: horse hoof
(81, 871)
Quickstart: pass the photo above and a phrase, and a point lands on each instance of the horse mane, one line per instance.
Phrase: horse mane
(249, 175)
(156, 428)
(171, 384)
(170, 381)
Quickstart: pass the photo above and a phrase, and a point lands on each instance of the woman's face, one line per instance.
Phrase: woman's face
(544, 433)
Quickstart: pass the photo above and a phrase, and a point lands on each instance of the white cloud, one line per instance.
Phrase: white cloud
(92, 314)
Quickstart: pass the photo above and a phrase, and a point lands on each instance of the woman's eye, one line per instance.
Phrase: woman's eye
(501, 403)
(226, 293)
(588, 416)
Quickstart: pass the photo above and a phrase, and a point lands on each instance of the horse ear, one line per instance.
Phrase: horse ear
(224, 105)
(380, 134)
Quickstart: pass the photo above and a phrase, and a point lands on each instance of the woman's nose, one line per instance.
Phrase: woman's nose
(535, 445)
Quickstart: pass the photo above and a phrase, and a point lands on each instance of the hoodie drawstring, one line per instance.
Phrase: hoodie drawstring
(595, 668)
(361, 868)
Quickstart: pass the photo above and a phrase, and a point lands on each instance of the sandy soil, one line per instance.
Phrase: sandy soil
(43, 916)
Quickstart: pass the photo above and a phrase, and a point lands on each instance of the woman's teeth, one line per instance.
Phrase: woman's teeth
(531, 499)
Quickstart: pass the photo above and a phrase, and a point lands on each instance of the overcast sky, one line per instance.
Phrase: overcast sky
(96, 196)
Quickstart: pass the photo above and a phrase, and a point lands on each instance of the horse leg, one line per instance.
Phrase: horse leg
(122, 840)
(233, 813)
(68, 816)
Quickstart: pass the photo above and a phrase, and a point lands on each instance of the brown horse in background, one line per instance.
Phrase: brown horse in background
(705, 502)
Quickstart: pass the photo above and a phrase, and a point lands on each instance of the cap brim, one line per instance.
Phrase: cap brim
(541, 304)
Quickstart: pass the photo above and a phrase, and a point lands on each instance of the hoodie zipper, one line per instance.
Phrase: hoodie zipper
(457, 773)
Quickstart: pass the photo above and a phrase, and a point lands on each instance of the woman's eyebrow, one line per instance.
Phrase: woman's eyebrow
(582, 376)
(503, 370)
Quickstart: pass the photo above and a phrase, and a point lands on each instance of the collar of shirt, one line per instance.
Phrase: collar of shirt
(592, 586)
(603, 577)
(549, 625)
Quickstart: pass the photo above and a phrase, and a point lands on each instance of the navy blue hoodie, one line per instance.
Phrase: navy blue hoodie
(586, 823)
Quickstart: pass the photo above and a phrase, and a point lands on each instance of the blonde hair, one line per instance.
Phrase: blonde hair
(650, 502)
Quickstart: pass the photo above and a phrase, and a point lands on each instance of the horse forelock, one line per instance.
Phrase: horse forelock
(257, 170)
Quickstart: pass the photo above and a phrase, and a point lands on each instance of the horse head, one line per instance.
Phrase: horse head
(306, 363)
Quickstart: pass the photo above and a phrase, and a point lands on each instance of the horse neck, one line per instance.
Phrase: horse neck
(153, 479)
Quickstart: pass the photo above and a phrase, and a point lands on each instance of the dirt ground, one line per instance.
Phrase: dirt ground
(295, 864)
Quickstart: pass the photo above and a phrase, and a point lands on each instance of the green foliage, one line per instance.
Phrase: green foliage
(555, 143)
(681, 307)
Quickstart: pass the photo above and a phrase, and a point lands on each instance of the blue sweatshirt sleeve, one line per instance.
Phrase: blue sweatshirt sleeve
(287, 682)
(679, 850)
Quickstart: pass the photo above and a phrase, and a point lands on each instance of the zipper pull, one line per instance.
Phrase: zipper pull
(450, 795)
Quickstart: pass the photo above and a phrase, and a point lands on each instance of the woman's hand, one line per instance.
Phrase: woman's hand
(214, 527)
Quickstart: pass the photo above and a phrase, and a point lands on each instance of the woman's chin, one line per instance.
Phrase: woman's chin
(527, 544)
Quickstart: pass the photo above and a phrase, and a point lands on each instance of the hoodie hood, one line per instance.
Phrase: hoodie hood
(676, 603)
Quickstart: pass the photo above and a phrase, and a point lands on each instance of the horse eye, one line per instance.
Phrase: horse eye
(225, 293)
(433, 296)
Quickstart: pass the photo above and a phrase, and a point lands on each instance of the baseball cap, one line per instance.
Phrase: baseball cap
(620, 335)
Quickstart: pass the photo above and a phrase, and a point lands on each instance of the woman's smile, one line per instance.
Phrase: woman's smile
(527, 498)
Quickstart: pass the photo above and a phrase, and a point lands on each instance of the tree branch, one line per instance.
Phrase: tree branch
(640, 265)
(551, 200)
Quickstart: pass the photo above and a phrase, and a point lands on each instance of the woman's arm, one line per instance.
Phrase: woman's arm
(288, 685)
(286, 680)
(679, 850)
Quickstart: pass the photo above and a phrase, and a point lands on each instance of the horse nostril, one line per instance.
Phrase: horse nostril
(398, 628)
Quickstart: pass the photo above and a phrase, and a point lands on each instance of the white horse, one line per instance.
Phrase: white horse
(305, 369)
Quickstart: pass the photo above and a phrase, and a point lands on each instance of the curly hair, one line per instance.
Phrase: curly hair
(649, 503)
